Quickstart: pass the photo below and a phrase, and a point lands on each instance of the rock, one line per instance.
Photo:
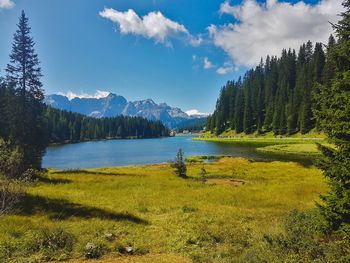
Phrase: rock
(110, 236)
(92, 251)
(129, 250)
(90, 246)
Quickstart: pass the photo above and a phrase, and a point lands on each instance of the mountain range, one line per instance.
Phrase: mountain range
(114, 105)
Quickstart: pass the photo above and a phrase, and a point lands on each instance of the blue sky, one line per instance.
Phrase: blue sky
(179, 52)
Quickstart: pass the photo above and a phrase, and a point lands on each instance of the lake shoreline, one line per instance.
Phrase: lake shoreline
(120, 153)
(105, 139)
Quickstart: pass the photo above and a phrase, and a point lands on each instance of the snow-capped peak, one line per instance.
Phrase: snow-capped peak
(82, 95)
(195, 112)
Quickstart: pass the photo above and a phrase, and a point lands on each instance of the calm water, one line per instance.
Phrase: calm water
(143, 151)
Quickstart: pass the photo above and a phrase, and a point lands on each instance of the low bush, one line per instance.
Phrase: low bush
(11, 161)
(54, 239)
(11, 193)
(95, 251)
(38, 245)
(303, 241)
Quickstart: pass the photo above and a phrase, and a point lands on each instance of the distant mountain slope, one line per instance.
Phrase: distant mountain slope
(115, 105)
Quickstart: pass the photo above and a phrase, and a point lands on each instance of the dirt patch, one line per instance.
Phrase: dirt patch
(220, 181)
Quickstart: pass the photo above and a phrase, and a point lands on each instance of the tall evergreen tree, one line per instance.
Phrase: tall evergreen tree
(24, 73)
(248, 116)
(334, 118)
(239, 109)
(329, 67)
(271, 78)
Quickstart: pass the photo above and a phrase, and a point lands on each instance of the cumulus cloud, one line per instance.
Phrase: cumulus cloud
(153, 25)
(6, 4)
(207, 64)
(98, 95)
(262, 29)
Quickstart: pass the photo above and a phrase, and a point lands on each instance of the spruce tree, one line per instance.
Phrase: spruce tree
(3, 104)
(239, 111)
(23, 72)
(334, 118)
(179, 165)
(330, 67)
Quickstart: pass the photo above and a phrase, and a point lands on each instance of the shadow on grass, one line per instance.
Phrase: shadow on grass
(47, 180)
(78, 171)
(60, 209)
(305, 161)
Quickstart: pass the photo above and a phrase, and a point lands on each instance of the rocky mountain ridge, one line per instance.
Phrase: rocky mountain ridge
(114, 105)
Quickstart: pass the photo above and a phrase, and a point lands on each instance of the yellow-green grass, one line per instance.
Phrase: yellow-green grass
(232, 134)
(166, 218)
(261, 141)
(308, 149)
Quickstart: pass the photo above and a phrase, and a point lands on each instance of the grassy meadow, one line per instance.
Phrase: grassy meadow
(263, 139)
(304, 149)
(223, 212)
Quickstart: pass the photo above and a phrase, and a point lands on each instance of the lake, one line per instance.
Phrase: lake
(108, 153)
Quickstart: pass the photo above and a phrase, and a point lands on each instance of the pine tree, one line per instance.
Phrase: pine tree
(306, 115)
(271, 78)
(318, 63)
(239, 111)
(334, 119)
(248, 116)
(179, 164)
(23, 71)
(3, 104)
(330, 67)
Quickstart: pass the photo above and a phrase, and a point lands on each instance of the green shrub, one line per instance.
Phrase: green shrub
(94, 251)
(303, 241)
(11, 193)
(11, 160)
(53, 243)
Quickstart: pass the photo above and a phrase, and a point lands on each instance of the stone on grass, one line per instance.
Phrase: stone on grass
(110, 236)
(92, 251)
(129, 250)
(90, 246)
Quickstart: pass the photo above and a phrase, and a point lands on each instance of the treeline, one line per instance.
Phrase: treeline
(192, 125)
(64, 126)
(277, 95)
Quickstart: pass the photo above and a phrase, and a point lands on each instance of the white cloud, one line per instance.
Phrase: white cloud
(98, 95)
(153, 25)
(195, 41)
(224, 70)
(207, 64)
(195, 112)
(266, 28)
(7, 4)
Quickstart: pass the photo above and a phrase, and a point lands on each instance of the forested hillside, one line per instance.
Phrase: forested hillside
(64, 126)
(278, 95)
